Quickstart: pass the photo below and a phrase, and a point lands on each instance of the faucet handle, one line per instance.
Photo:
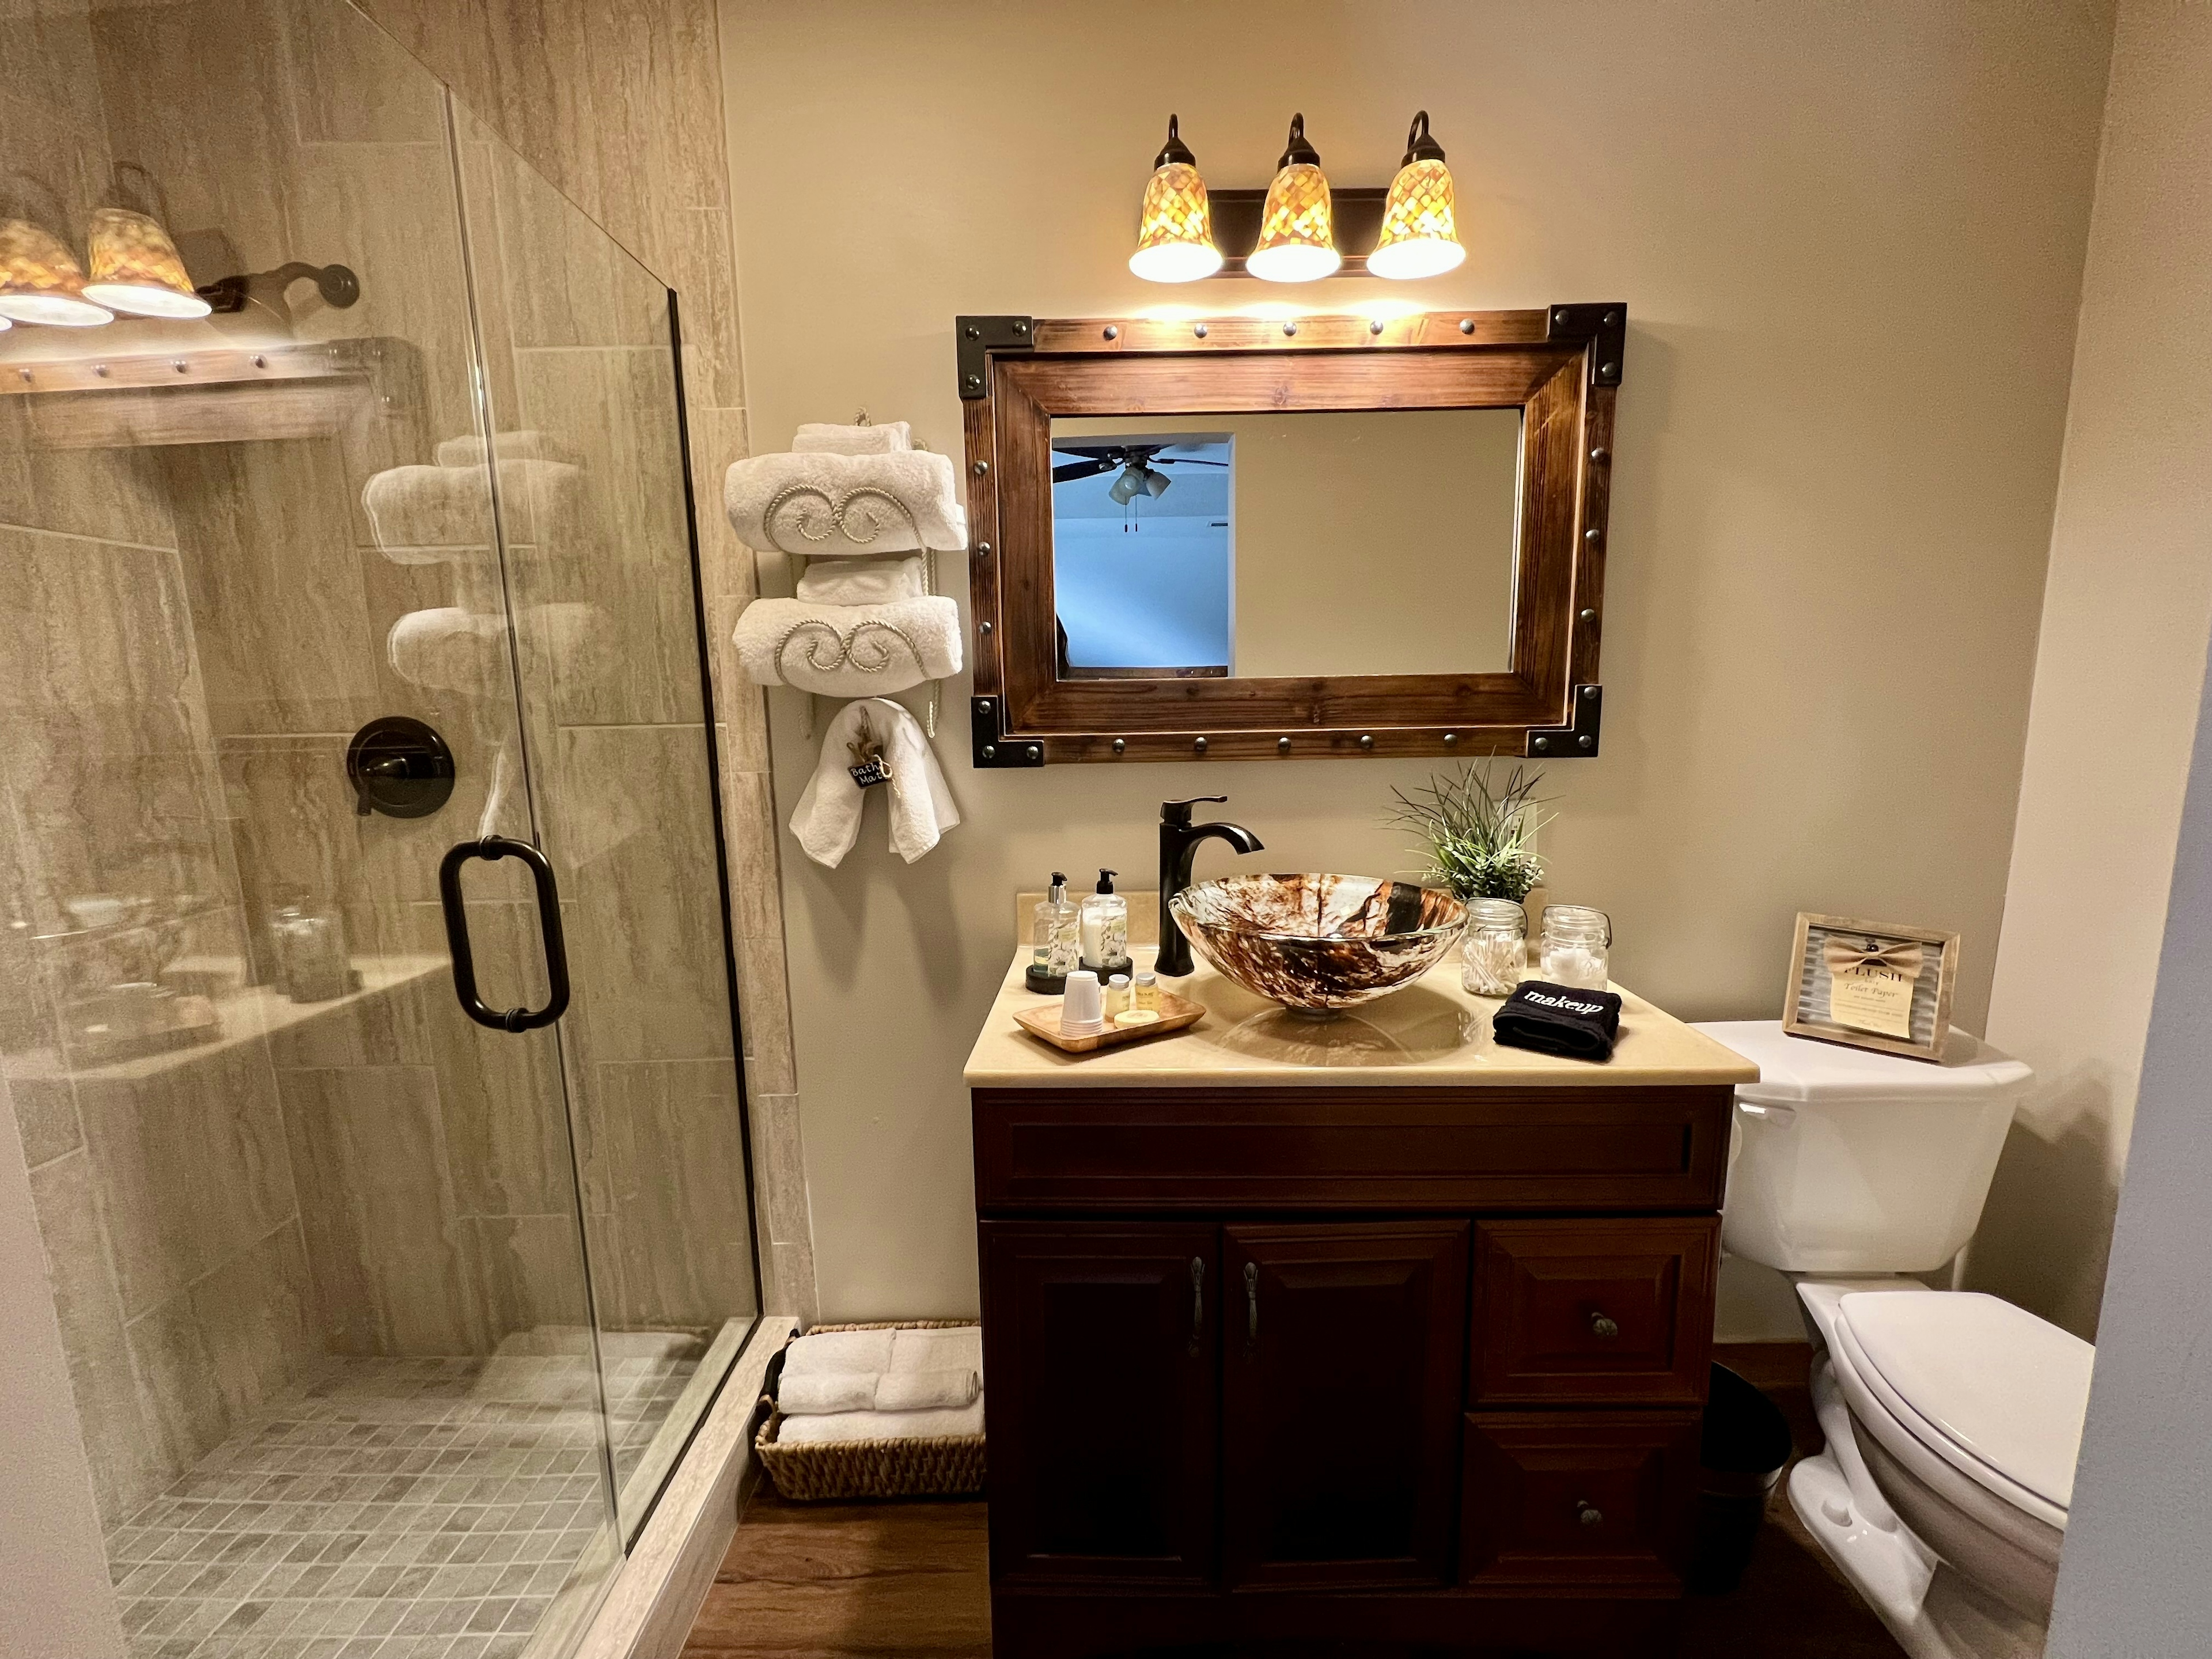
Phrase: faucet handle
(1178, 811)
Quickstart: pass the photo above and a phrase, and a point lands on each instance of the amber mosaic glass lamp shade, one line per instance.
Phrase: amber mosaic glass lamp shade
(1298, 230)
(136, 268)
(40, 281)
(1420, 233)
(1175, 234)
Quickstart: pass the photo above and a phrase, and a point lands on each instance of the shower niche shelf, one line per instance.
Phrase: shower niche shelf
(213, 394)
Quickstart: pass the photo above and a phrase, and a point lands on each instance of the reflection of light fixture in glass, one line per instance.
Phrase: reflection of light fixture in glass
(136, 268)
(1420, 236)
(1175, 235)
(40, 282)
(1298, 234)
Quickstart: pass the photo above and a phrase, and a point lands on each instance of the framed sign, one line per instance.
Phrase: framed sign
(1870, 985)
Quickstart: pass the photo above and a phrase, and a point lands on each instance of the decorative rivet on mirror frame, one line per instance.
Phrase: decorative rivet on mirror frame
(1366, 740)
(1290, 328)
(1282, 745)
(1560, 316)
(982, 550)
(1589, 691)
(1591, 534)
(1120, 745)
(974, 332)
(1608, 369)
(1112, 332)
(1036, 753)
(990, 751)
(985, 706)
(1199, 329)
(1199, 743)
(981, 468)
(975, 382)
(1539, 743)
(1451, 739)
(1021, 325)
(1589, 616)
(1466, 325)
(1613, 319)
(1599, 454)
(984, 628)
(1587, 742)
(1375, 325)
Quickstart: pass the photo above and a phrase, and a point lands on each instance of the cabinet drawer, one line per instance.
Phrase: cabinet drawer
(1596, 1499)
(1592, 1311)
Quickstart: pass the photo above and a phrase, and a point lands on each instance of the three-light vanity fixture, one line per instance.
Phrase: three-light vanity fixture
(1297, 229)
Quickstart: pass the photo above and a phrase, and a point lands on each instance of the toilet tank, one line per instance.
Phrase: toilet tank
(1843, 1160)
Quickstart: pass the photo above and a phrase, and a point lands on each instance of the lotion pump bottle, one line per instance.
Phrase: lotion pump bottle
(1104, 925)
(1054, 940)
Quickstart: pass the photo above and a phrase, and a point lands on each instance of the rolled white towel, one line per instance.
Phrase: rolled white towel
(824, 504)
(812, 1393)
(946, 1389)
(841, 1426)
(861, 581)
(449, 649)
(420, 514)
(510, 445)
(848, 651)
(821, 438)
(957, 1347)
(838, 1351)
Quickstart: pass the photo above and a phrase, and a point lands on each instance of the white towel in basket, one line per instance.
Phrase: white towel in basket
(880, 1426)
(824, 1351)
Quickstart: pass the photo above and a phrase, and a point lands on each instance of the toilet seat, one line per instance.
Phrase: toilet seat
(1996, 1393)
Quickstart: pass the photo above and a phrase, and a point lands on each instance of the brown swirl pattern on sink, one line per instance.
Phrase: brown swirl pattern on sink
(1318, 942)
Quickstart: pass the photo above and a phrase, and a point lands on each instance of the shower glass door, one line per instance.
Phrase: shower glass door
(382, 1322)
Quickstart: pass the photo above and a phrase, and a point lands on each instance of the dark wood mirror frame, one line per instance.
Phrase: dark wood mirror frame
(1559, 365)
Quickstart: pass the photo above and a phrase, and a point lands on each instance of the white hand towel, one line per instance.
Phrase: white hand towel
(428, 515)
(838, 1351)
(869, 505)
(509, 446)
(848, 650)
(922, 1391)
(812, 1393)
(841, 1426)
(828, 818)
(957, 1347)
(820, 438)
(449, 649)
(861, 581)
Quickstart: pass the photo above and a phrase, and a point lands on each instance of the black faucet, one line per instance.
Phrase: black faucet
(1179, 840)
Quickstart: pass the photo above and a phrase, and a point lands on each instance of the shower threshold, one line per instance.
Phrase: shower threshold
(404, 1509)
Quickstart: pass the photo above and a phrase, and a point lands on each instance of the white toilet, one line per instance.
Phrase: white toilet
(1952, 1418)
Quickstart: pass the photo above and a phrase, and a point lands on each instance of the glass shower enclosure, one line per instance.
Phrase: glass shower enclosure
(365, 980)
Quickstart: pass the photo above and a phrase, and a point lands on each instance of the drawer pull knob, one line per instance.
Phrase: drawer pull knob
(1588, 1513)
(1197, 1301)
(1604, 1328)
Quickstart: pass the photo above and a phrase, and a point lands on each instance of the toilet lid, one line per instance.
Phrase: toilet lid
(2007, 1388)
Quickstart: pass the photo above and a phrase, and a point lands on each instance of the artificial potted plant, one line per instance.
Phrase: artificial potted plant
(1478, 842)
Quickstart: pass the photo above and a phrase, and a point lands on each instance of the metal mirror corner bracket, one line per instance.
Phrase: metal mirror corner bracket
(399, 767)
(1560, 367)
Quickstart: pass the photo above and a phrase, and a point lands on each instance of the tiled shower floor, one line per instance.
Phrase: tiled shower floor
(407, 1509)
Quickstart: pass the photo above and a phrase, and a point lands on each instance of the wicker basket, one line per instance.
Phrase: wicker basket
(944, 1467)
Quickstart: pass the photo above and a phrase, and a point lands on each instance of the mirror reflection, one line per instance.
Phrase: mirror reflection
(1362, 542)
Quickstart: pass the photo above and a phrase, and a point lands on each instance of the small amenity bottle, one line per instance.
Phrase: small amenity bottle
(1117, 997)
(1055, 940)
(1104, 925)
(1146, 993)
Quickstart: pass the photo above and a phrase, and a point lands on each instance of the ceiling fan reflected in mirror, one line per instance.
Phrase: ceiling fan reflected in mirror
(1139, 475)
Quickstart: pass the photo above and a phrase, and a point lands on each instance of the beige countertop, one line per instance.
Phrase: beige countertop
(1431, 1033)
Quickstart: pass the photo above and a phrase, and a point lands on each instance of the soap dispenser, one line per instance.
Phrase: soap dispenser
(1054, 940)
(1104, 925)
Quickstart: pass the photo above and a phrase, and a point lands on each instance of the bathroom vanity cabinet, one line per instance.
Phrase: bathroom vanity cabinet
(1364, 1328)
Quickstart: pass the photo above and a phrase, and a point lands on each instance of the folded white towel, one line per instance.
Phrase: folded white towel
(823, 503)
(848, 650)
(946, 1389)
(510, 445)
(425, 514)
(861, 581)
(813, 1392)
(828, 820)
(840, 1426)
(820, 438)
(957, 1347)
(838, 1351)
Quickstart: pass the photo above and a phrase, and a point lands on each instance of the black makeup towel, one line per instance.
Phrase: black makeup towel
(1557, 1019)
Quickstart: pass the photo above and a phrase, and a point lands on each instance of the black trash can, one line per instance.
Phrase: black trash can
(1744, 1449)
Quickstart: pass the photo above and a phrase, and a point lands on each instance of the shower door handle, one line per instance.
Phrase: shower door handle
(492, 848)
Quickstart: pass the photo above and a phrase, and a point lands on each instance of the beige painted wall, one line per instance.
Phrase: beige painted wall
(1851, 241)
(2124, 618)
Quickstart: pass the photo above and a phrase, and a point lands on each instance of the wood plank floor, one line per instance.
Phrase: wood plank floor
(879, 1581)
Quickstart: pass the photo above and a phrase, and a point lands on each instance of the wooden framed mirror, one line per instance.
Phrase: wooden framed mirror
(1246, 537)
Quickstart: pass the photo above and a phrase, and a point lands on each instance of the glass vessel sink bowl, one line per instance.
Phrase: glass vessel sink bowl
(1318, 944)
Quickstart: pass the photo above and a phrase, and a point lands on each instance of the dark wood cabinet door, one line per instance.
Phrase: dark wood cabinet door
(1565, 1500)
(1342, 1351)
(1101, 1354)
(1598, 1311)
